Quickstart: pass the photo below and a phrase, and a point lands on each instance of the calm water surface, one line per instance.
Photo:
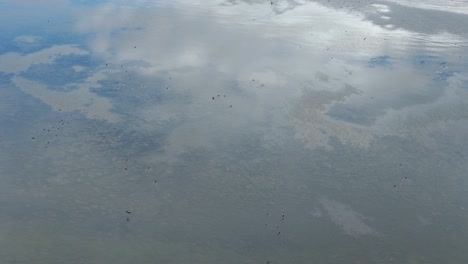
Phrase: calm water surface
(233, 131)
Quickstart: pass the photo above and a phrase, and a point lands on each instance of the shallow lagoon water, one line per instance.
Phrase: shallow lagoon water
(233, 132)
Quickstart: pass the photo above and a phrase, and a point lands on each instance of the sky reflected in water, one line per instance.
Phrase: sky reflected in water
(233, 131)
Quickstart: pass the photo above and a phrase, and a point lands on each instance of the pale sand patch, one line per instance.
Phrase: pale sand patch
(350, 221)
(315, 128)
(27, 39)
(82, 99)
(13, 62)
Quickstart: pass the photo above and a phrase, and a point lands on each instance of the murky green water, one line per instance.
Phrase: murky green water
(233, 132)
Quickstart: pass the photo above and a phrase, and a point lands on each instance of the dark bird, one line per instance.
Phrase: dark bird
(128, 212)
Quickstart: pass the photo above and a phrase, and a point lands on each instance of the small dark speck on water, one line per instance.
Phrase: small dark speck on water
(230, 106)
(128, 219)
(125, 168)
(278, 233)
(212, 97)
(32, 137)
(394, 186)
(128, 212)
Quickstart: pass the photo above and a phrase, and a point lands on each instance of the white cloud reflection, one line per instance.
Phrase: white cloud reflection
(293, 63)
(217, 48)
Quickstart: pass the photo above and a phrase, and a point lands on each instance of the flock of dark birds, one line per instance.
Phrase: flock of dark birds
(49, 133)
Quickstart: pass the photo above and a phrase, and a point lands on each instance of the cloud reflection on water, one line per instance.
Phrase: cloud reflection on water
(189, 115)
(266, 60)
